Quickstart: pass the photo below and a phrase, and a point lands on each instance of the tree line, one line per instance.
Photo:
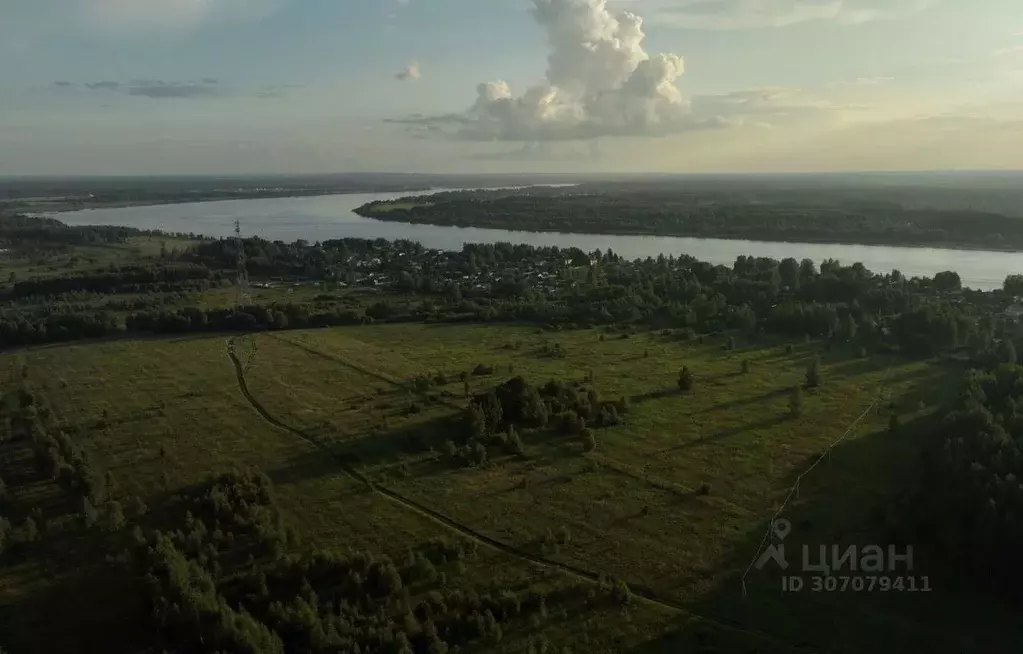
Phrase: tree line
(670, 212)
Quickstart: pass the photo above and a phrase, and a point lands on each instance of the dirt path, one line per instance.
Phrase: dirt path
(641, 592)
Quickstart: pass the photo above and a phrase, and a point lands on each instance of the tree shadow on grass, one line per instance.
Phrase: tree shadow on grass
(847, 502)
(656, 394)
(858, 367)
(96, 607)
(724, 434)
(732, 404)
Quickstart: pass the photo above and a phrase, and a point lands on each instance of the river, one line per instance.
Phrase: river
(332, 216)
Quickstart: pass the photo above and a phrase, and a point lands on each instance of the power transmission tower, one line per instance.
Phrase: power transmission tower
(244, 295)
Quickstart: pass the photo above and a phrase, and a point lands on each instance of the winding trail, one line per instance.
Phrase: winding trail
(639, 591)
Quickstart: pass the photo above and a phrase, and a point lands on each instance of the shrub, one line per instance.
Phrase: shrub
(623, 405)
(589, 441)
(440, 379)
(813, 373)
(685, 379)
(704, 488)
(747, 366)
(482, 369)
(796, 402)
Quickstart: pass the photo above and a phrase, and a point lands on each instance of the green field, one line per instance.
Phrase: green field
(674, 501)
(86, 258)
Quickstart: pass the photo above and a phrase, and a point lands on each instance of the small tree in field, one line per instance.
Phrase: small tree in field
(796, 402)
(813, 373)
(685, 379)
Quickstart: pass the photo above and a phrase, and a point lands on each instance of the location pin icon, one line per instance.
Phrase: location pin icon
(782, 528)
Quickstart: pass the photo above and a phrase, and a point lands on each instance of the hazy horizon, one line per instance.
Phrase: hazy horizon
(265, 87)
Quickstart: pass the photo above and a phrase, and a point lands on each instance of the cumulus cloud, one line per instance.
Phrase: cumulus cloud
(410, 72)
(755, 14)
(600, 82)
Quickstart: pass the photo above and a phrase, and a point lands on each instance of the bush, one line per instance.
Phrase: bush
(704, 488)
(589, 441)
(747, 366)
(440, 379)
(685, 379)
(796, 402)
(813, 373)
(623, 405)
(483, 369)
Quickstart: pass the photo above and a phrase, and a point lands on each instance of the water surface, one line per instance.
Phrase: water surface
(332, 216)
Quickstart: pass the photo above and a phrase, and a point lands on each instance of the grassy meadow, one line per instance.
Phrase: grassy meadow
(162, 415)
(674, 501)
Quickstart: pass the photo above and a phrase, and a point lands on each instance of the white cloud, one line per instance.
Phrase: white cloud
(410, 72)
(600, 82)
(755, 14)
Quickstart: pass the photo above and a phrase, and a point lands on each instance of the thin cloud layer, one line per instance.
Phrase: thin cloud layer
(600, 82)
(103, 86)
(759, 14)
(207, 87)
(163, 15)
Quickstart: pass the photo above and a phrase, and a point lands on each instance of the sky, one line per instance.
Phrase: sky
(108, 87)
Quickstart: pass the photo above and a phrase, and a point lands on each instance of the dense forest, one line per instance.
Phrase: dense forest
(813, 217)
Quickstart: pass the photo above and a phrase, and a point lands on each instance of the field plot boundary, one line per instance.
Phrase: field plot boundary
(794, 490)
(644, 593)
(608, 463)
